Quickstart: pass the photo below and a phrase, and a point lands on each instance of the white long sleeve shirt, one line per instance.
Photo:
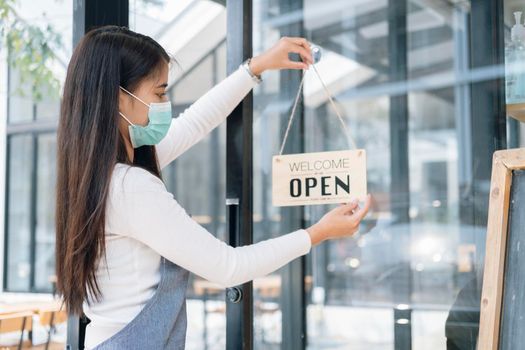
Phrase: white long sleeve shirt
(145, 222)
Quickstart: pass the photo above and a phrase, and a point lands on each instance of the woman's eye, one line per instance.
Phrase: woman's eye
(162, 94)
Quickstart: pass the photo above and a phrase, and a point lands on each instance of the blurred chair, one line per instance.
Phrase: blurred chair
(267, 291)
(17, 322)
(49, 318)
(53, 281)
(206, 289)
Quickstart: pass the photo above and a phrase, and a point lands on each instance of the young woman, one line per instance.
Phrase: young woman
(124, 245)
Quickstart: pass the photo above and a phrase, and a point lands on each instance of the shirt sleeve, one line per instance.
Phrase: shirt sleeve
(152, 215)
(204, 115)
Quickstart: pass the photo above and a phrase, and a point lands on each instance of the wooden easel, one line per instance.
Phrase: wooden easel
(503, 164)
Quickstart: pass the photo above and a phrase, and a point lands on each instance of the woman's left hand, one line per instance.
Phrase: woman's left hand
(277, 57)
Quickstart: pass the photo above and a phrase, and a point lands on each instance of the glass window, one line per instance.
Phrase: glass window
(37, 71)
(45, 212)
(19, 229)
(42, 44)
(31, 216)
(515, 114)
(410, 276)
(20, 105)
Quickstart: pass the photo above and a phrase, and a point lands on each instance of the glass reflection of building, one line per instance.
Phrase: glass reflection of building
(401, 75)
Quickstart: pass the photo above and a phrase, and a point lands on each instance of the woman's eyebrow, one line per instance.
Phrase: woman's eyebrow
(162, 85)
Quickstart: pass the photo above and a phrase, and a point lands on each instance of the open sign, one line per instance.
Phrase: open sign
(318, 178)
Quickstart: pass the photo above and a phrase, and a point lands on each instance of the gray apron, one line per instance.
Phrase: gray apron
(161, 324)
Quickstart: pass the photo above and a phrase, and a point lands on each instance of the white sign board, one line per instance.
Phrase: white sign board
(318, 178)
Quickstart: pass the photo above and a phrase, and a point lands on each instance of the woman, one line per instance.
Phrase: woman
(125, 246)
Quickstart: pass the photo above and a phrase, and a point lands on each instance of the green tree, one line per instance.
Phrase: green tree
(30, 51)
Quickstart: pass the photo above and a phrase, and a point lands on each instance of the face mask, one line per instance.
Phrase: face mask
(159, 115)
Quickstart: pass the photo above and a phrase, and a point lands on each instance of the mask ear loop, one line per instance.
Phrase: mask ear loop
(123, 116)
(147, 105)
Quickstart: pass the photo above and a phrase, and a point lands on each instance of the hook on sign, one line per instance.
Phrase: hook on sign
(316, 53)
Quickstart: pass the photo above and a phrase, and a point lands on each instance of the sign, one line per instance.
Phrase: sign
(318, 178)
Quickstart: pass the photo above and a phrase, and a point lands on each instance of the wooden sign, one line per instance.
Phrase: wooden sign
(318, 178)
(503, 296)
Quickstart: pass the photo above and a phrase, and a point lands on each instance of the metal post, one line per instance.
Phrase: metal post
(399, 166)
(488, 118)
(239, 163)
(89, 14)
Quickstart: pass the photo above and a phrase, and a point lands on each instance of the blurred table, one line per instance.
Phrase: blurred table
(33, 306)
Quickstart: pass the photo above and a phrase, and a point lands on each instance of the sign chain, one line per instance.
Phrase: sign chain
(351, 141)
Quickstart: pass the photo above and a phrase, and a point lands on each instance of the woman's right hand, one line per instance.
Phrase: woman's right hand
(277, 57)
(340, 222)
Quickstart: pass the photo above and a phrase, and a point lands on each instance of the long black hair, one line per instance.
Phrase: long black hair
(89, 146)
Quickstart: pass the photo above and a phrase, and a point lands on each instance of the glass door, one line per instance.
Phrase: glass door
(428, 109)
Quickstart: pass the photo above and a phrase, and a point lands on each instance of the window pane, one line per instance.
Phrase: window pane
(18, 214)
(45, 212)
(20, 104)
(515, 127)
(59, 15)
(49, 22)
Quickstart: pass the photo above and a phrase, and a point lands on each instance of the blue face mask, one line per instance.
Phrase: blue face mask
(159, 116)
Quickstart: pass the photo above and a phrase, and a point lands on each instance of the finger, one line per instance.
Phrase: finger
(348, 207)
(296, 65)
(360, 214)
(347, 211)
(300, 41)
(305, 54)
